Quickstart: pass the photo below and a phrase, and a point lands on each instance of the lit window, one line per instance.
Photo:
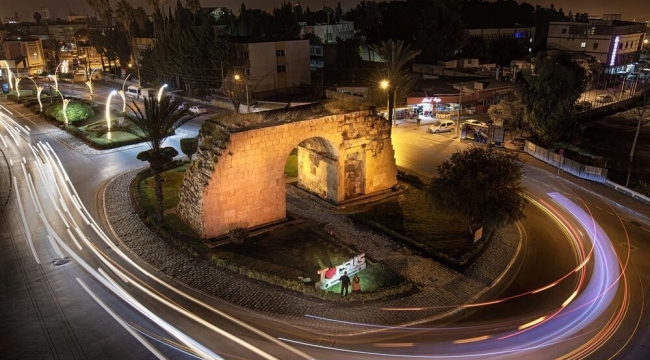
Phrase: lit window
(583, 44)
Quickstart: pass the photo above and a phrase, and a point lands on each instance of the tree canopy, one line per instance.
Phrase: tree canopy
(549, 94)
(481, 184)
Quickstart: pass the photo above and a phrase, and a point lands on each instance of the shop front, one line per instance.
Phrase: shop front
(470, 102)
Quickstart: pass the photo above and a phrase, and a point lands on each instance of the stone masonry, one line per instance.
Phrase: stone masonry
(237, 179)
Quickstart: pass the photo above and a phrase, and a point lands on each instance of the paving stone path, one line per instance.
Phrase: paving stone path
(442, 289)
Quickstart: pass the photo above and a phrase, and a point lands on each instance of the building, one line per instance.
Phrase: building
(330, 32)
(517, 32)
(613, 42)
(27, 54)
(273, 66)
(45, 13)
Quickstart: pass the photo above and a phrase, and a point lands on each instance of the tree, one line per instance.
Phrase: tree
(189, 146)
(508, 113)
(154, 123)
(549, 95)
(125, 14)
(442, 31)
(482, 185)
(37, 17)
(347, 54)
(396, 56)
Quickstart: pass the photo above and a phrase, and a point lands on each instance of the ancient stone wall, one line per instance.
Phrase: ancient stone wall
(242, 184)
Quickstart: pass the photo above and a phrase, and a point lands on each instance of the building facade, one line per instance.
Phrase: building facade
(27, 54)
(328, 33)
(523, 33)
(273, 66)
(614, 43)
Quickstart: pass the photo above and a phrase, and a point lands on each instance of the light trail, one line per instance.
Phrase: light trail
(50, 168)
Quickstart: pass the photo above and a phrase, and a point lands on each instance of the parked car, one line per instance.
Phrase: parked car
(443, 126)
(79, 72)
(582, 106)
(474, 122)
(198, 109)
(604, 98)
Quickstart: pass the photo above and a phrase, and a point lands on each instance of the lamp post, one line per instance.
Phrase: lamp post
(39, 89)
(89, 83)
(17, 81)
(122, 94)
(460, 107)
(160, 92)
(384, 84)
(11, 85)
(108, 113)
(65, 107)
(248, 104)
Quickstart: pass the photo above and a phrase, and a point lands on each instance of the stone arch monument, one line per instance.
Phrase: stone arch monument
(237, 178)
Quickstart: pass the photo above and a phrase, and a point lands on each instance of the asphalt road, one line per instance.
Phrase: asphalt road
(52, 316)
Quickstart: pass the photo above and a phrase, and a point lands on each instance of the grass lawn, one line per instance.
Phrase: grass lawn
(291, 167)
(294, 251)
(412, 217)
(172, 181)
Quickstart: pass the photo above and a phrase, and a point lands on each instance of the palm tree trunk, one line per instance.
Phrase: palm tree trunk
(156, 169)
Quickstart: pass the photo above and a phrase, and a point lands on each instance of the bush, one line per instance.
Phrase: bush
(75, 111)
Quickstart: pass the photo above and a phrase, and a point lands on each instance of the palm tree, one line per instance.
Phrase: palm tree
(155, 124)
(396, 56)
(125, 14)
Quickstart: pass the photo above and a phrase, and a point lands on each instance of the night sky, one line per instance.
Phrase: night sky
(631, 9)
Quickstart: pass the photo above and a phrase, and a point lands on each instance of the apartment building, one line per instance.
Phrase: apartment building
(273, 66)
(613, 42)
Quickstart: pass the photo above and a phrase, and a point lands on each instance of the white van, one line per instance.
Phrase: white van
(134, 92)
(443, 126)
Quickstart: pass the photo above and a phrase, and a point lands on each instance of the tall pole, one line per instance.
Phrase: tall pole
(248, 104)
(460, 106)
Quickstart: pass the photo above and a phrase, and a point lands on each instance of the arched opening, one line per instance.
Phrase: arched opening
(314, 165)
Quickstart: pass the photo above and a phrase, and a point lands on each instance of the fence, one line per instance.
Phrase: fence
(592, 173)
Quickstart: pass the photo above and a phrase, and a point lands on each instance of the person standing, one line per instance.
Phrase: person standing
(345, 283)
(356, 283)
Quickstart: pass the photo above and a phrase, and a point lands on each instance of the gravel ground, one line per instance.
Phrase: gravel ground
(441, 289)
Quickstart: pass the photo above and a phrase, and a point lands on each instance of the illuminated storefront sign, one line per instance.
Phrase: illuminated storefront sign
(431, 100)
(614, 50)
(330, 276)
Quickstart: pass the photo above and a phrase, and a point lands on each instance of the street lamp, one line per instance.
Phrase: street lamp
(17, 81)
(11, 86)
(122, 94)
(89, 83)
(460, 107)
(384, 84)
(39, 89)
(65, 107)
(108, 113)
(160, 92)
(248, 105)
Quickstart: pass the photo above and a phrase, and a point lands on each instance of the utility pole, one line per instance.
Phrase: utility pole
(460, 106)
